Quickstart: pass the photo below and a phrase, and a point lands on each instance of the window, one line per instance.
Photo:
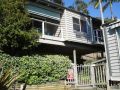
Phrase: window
(50, 29)
(38, 25)
(83, 26)
(98, 36)
(76, 24)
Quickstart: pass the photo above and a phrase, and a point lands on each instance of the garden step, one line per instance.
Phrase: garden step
(84, 88)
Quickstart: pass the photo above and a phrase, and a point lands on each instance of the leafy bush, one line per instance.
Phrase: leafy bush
(38, 69)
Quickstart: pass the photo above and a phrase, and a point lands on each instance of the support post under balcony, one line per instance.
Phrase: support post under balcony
(43, 29)
(75, 67)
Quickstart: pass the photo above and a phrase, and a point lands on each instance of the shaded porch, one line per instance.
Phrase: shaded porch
(68, 48)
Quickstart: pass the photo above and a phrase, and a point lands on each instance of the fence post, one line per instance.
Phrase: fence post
(107, 77)
(93, 75)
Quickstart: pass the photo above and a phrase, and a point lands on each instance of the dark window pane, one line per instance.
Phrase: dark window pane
(50, 29)
(95, 34)
(76, 27)
(96, 38)
(99, 33)
(37, 25)
(75, 20)
(83, 26)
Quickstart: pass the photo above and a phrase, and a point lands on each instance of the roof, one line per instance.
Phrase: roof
(59, 7)
(110, 24)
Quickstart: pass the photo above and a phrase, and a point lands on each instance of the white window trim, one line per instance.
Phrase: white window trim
(43, 27)
(45, 21)
(80, 25)
(96, 31)
(76, 24)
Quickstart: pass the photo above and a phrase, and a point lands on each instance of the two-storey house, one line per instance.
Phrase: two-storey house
(65, 31)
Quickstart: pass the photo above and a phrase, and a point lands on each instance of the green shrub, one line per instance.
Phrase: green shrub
(38, 69)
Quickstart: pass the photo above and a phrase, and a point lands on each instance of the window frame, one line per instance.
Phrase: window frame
(85, 27)
(97, 37)
(80, 25)
(41, 21)
(43, 25)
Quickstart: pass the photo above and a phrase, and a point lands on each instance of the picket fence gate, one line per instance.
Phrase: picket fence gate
(88, 75)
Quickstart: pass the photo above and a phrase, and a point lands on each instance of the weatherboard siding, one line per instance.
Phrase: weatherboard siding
(62, 27)
(113, 53)
(70, 34)
(63, 24)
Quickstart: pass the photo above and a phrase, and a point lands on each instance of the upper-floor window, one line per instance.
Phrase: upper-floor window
(98, 36)
(83, 26)
(79, 25)
(50, 28)
(37, 25)
(76, 24)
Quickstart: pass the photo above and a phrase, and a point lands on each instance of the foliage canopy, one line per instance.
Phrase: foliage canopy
(80, 5)
(15, 26)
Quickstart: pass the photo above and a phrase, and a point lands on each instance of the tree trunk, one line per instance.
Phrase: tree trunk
(101, 11)
(111, 12)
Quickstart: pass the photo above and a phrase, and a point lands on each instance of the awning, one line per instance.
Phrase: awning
(43, 11)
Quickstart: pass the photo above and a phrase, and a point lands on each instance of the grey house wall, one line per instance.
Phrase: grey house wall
(71, 35)
(113, 52)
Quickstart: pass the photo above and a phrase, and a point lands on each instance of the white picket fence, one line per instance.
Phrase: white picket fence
(89, 75)
(84, 75)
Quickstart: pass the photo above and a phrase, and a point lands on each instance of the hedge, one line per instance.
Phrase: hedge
(38, 69)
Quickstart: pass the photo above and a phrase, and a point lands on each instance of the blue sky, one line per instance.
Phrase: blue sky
(96, 12)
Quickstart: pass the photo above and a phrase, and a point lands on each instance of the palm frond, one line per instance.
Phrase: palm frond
(105, 6)
(96, 5)
(7, 79)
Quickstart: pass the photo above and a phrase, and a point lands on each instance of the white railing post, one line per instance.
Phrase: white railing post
(93, 75)
(75, 68)
(92, 33)
(43, 29)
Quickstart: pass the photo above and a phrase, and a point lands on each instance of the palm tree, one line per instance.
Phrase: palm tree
(59, 2)
(7, 79)
(96, 4)
(80, 5)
